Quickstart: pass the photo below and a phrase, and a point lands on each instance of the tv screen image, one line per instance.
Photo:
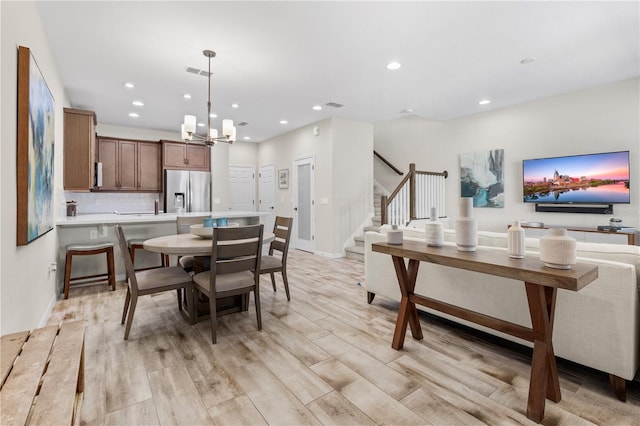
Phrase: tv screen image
(578, 179)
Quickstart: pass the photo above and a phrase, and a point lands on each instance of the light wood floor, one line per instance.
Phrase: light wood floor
(323, 358)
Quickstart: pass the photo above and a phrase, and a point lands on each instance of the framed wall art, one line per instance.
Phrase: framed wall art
(481, 177)
(283, 178)
(35, 151)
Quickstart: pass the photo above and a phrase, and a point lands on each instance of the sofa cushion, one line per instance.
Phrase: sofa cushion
(492, 239)
(614, 252)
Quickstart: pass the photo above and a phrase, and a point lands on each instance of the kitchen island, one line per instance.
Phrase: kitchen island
(98, 228)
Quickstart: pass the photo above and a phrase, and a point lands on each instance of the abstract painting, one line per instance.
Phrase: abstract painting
(481, 177)
(35, 151)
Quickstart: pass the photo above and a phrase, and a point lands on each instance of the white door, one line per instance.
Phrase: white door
(304, 204)
(242, 188)
(267, 195)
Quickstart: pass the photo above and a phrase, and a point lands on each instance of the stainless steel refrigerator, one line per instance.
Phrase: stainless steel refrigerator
(186, 191)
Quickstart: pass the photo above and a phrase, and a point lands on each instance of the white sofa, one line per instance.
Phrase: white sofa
(598, 327)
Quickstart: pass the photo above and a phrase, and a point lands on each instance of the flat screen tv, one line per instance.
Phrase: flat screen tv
(577, 179)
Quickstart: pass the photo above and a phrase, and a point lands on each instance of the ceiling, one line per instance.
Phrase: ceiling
(277, 60)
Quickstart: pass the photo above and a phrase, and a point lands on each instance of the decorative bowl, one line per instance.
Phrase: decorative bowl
(203, 232)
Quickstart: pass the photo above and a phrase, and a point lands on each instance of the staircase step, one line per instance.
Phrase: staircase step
(359, 241)
(355, 252)
(371, 228)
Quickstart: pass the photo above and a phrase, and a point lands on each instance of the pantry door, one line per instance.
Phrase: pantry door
(242, 188)
(304, 203)
(266, 195)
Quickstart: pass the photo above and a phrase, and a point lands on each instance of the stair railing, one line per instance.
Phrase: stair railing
(413, 197)
(385, 161)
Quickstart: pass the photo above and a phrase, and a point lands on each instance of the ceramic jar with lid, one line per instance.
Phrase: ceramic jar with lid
(557, 249)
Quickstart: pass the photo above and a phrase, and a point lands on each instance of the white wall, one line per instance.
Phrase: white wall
(343, 176)
(243, 154)
(352, 162)
(27, 288)
(409, 139)
(600, 119)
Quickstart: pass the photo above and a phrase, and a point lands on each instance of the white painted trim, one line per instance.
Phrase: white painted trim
(330, 255)
(47, 312)
(359, 231)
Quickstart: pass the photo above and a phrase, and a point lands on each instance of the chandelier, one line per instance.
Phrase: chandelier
(188, 129)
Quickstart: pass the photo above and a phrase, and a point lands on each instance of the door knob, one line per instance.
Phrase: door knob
(295, 209)
(271, 207)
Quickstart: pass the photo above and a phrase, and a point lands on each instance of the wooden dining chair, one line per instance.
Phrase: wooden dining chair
(183, 226)
(271, 264)
(235, 262)
(151, 281)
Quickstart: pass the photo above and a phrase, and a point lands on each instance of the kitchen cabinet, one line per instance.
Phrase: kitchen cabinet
(149, 170)
(129, 165)
(79, 149)
(183, 156)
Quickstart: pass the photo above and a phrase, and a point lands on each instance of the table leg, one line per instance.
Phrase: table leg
(544, 381)
(407, 313)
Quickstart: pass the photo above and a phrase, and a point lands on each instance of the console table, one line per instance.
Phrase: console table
(589, 234)
(541, 284)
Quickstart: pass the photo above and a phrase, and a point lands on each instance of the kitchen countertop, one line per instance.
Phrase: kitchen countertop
(145, 217)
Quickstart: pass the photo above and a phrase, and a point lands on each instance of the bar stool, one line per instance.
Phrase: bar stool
(89, 250)
(137, 244)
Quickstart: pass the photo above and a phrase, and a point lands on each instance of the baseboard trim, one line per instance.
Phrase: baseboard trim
(330, 255)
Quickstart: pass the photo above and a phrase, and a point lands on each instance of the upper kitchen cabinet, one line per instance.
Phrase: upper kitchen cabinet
(182, 156)
(129, 165)
(149, 170)
(79, 149)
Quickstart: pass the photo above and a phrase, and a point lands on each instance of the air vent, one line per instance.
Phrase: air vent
(242, 124)
(197, 71)
(334, 105)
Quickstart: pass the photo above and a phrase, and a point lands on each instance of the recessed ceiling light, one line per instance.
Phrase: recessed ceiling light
(129, 85)
(529, 60)
(317, 108)
(200, 124)
(234, 105)
(284, 122)
(246, 138)
(484, 102)
(407, 111)
(393, 65)
(186, 96)
(133, 115)
(212, 115)
(137, 103)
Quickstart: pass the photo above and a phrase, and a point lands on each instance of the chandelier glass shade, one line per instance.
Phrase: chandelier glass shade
(188, 128)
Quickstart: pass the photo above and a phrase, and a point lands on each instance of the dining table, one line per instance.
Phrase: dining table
(188, 244)
(200, 246)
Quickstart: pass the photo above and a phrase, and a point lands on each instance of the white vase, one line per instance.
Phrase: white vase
(433, 230)
(515, 241)
(557, 249)
(466, 226)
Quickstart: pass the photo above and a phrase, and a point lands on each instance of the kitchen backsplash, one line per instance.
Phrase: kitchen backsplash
(95, 202)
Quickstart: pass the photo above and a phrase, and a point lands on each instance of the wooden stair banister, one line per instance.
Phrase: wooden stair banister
(385, 161)
(385, 201)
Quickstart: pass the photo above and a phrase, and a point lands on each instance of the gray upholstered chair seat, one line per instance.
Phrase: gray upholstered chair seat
(169, 277)
(225, 282)
(270, 262)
